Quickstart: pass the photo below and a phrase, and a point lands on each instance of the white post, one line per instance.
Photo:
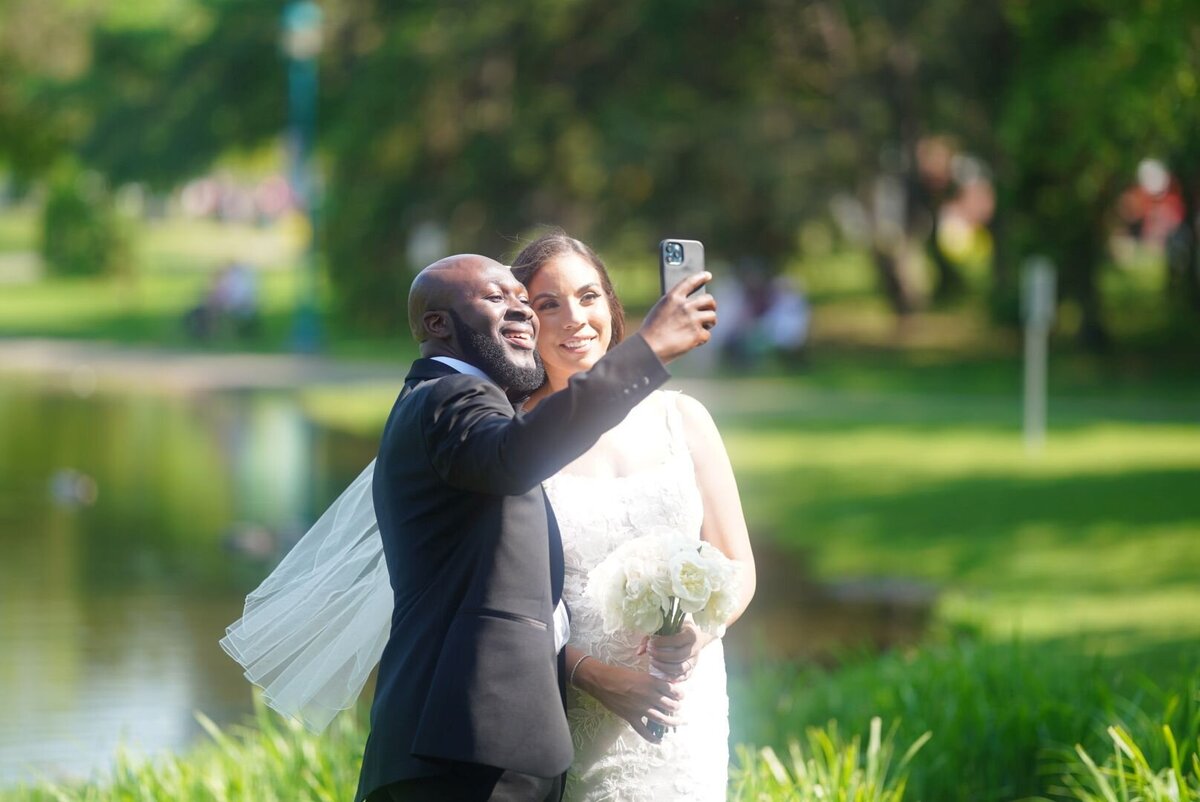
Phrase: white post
(1038, 302)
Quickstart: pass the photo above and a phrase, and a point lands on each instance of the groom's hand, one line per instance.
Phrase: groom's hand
(677, 323)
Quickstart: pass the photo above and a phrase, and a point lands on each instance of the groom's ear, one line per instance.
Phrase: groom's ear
(437, 325)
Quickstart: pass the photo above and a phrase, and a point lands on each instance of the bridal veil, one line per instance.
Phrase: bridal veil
(313, 630)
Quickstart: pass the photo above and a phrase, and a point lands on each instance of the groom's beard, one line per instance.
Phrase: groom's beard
(490, 356)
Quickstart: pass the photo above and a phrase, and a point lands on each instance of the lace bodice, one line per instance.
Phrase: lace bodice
(596, 514)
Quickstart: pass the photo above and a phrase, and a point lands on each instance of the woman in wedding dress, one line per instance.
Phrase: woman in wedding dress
(663, 467)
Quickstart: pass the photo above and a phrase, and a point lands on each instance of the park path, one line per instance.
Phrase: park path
(87, 363)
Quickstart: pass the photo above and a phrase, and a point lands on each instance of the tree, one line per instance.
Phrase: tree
(1071, 144)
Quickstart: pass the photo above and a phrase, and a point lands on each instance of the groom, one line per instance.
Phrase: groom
(468, 702)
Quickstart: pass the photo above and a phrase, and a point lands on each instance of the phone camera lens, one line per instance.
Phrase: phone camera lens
(674, 253)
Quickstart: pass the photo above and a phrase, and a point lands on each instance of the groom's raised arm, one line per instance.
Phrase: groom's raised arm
(475, 442)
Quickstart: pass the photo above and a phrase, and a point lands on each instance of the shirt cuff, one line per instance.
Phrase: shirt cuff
(562, 627)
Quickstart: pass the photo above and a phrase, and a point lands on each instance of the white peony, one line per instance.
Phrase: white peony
(691, 579)
(649, 583)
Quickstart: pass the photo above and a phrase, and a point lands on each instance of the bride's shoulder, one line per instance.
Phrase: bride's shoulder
(689, 408)
(698, 427)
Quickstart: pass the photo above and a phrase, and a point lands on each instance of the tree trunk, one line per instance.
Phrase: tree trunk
(890, 270)
(1084, 273)
(1183, 257)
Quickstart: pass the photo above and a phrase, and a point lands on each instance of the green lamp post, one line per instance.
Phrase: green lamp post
(302, 45)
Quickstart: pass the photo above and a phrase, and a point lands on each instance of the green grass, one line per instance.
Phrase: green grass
(827, 768)
(1128, 775)
(1004, 717)
(18, 229)
(904, 472)
(986, 722)
(175, 261)
(1101, 533)
(271, 760)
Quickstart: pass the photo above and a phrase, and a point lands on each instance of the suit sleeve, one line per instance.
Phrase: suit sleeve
(475, 443)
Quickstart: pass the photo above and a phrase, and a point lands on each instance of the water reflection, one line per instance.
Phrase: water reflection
(110, 610)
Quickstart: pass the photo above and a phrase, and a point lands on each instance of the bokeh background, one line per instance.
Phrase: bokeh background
(210, 212)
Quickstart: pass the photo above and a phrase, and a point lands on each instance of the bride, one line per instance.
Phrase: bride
(314, 629)
(664, 466)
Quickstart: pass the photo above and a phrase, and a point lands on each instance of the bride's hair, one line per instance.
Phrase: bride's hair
(553, 244)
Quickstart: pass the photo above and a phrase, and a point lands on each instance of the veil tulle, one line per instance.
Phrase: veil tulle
(313, 630)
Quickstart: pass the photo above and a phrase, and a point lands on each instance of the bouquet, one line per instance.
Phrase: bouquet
(652, 583)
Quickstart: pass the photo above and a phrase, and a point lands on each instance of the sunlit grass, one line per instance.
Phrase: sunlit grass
(1129, 776)
(145, 309)
(18, 229)
(272, 761)
(826, 767)
(1100, 533)
(178, 245)
(1004, 716)
(175, 261)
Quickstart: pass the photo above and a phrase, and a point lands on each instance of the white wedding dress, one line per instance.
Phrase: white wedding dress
(595, 515)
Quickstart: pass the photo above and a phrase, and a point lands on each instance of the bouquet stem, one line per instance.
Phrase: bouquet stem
(672, 625)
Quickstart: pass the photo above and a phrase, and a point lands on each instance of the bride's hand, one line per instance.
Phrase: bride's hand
(676, 656)
(633, 695)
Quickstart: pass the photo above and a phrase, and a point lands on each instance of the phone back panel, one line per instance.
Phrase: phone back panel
(693, 262)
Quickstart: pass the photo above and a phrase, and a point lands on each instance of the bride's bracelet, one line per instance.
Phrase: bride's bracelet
(574, 668)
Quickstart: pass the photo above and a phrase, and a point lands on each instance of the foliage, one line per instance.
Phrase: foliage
(82, 232)
(1071, 146)
(1128, 775)
(195, 82)
(272, 761)
(623, 121)
(831, 770)
(999, 714)
(998, 718)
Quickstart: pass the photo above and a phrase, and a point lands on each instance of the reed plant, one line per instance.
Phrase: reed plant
(830, 770)
(1129, 776)
(1002, 715)
(269, 760)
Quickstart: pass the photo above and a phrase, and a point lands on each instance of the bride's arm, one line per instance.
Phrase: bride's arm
(724, 526)
(632, 695)
(724, 523)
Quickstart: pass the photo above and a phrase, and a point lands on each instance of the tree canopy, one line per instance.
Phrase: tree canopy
(623, 120)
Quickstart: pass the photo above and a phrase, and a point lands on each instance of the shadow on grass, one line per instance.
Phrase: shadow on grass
(977, 527)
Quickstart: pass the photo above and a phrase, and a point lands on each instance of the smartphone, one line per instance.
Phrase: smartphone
(678, 259)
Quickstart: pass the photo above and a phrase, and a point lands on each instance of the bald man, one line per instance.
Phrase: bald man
(468, 702)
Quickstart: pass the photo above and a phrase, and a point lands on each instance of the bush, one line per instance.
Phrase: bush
(82, 232)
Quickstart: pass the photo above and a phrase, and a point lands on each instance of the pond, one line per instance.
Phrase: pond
(132, 526)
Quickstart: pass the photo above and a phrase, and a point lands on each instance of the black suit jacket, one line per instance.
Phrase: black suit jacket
(470, 672)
